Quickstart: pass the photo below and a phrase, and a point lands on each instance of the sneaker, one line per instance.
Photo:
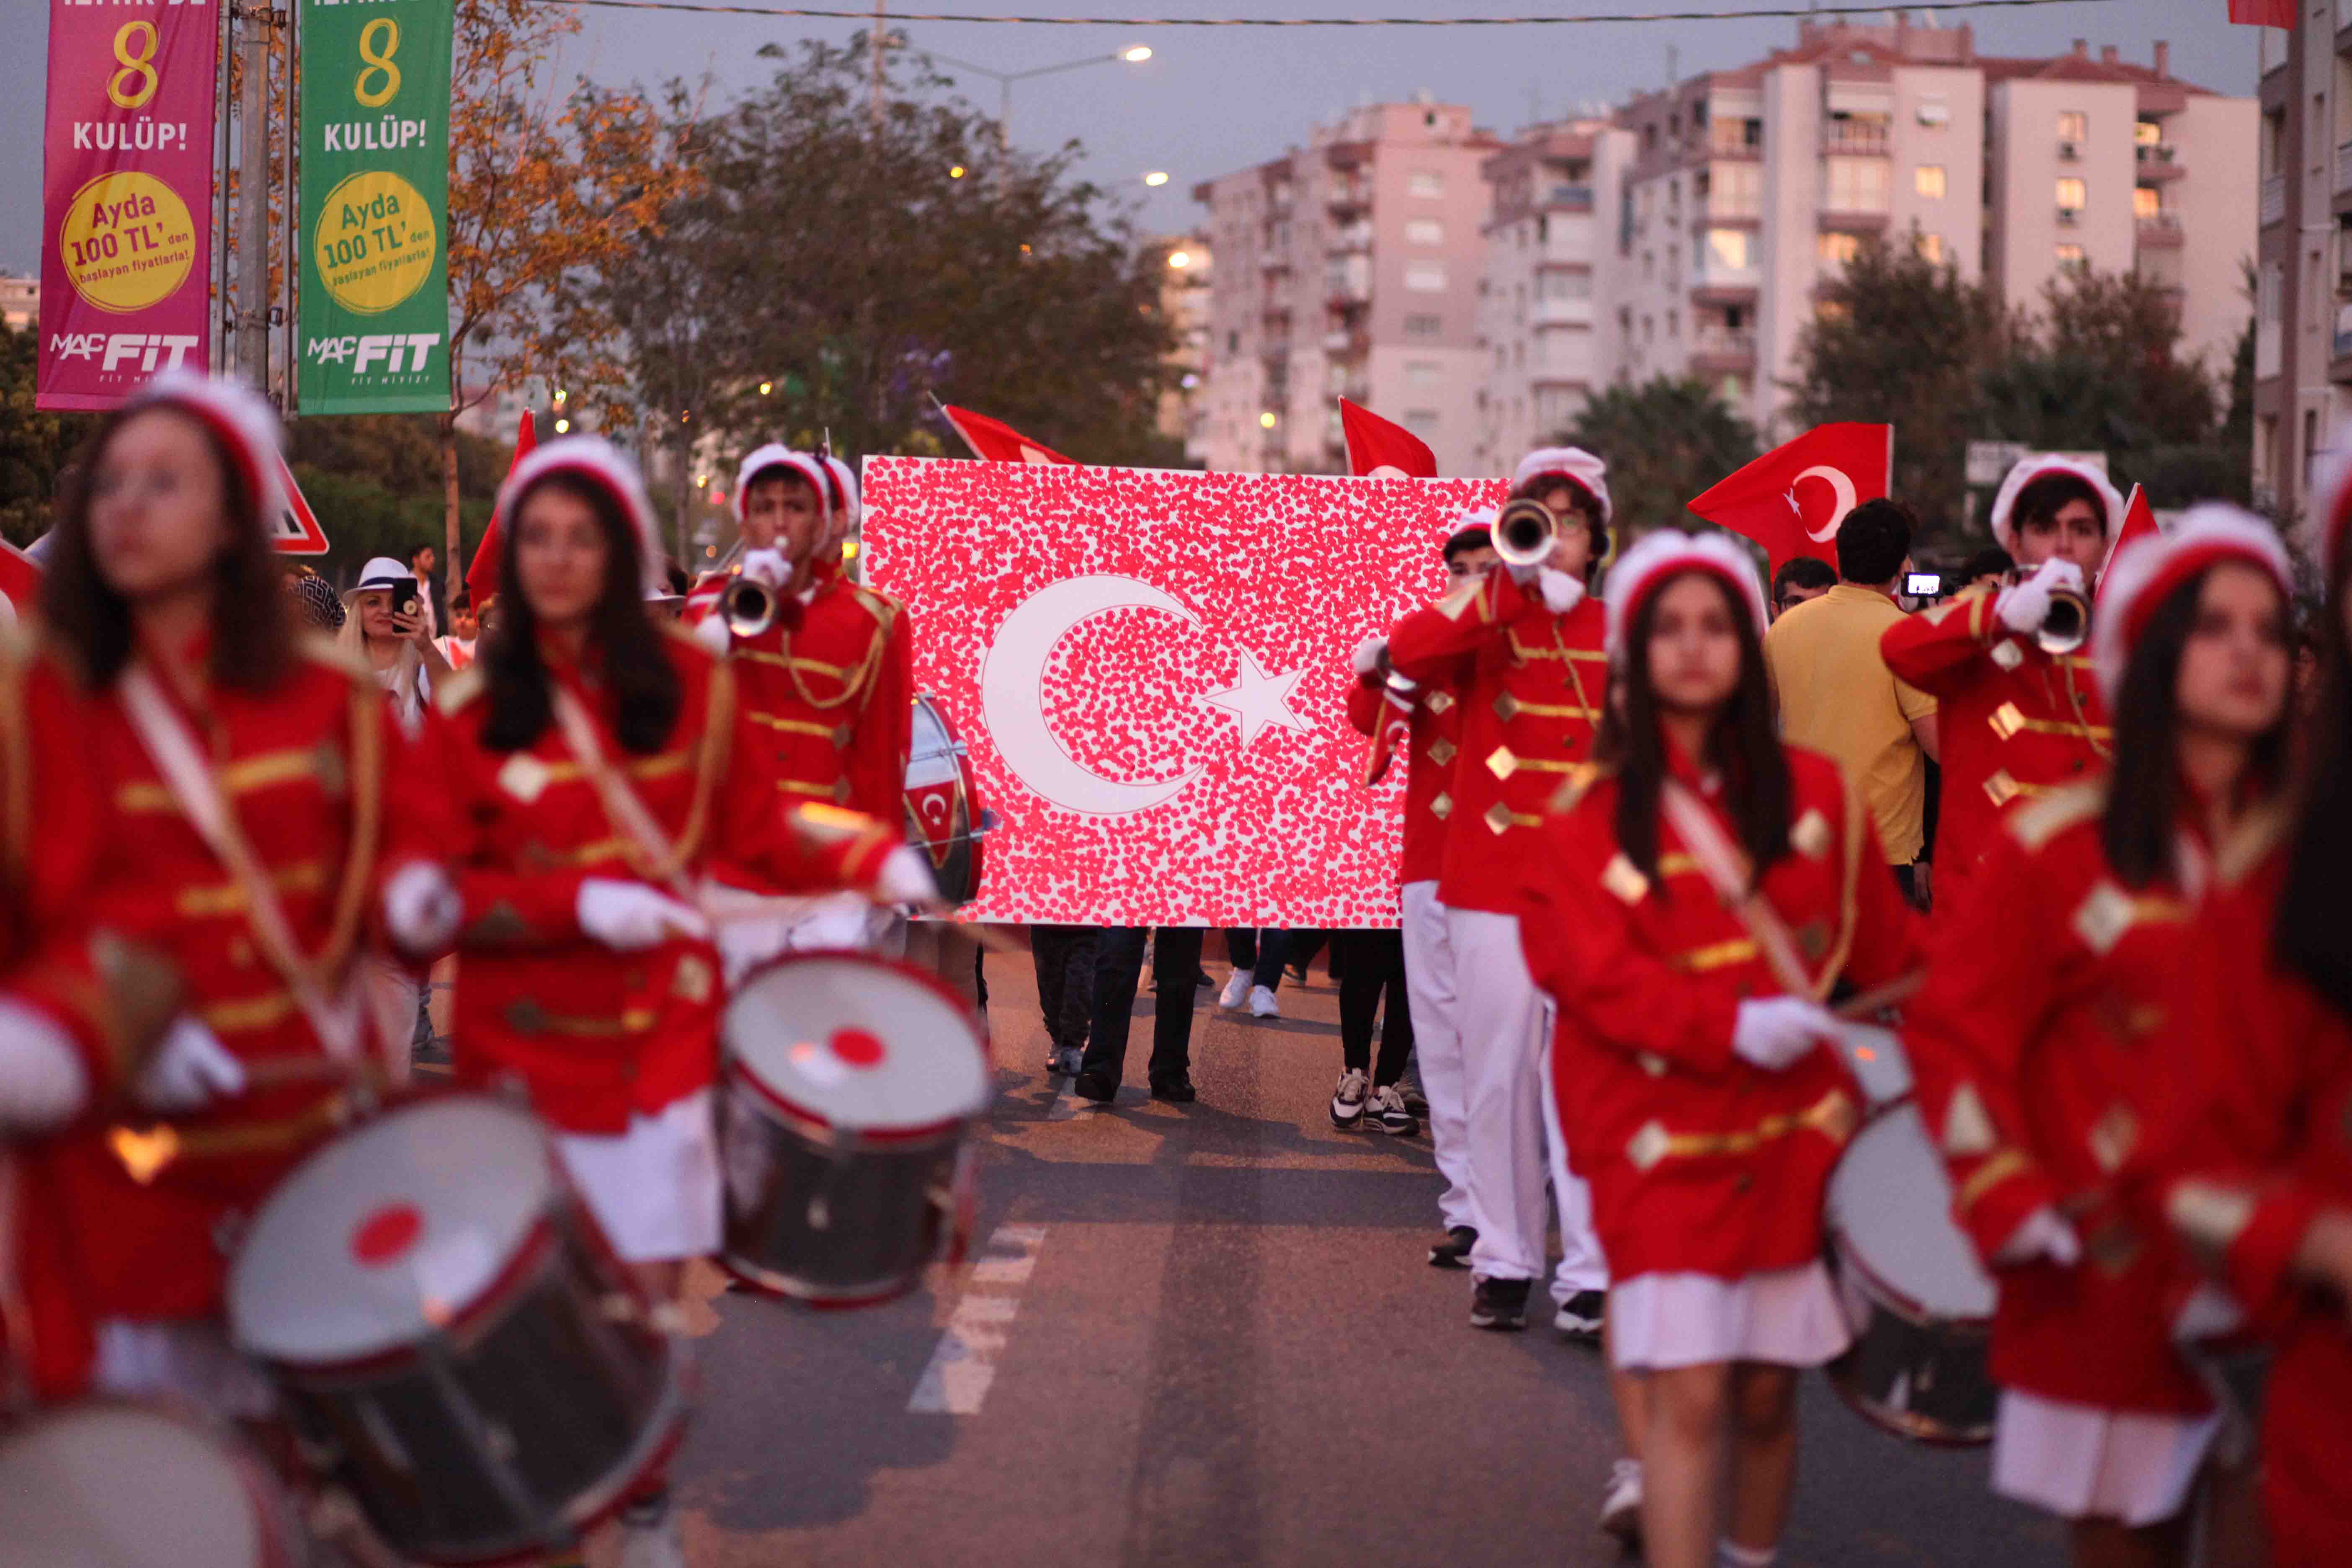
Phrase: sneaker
(1262, 1003)
(1621, 1504)
(1580, 1316)
(1097, 1087)
(1072, 1060)
(1414, 1100)
(650, 1536)
(1498, 1304)
(1388, 1114)
(1236, 991)
(1347, 1100)
(1453, 1252)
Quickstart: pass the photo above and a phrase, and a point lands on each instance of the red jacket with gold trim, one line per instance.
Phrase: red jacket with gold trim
(597, 1036)
(830, 691)
(1432, 740)
(2013, 722)
(1699, 1160)
(1531, 704)
(2075, 1035)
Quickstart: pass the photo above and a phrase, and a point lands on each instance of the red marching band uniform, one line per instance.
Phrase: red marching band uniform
(1425, 722)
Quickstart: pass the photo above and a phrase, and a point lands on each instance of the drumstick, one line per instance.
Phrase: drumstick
(276, 1072)
(987, 936)
(1901, 988)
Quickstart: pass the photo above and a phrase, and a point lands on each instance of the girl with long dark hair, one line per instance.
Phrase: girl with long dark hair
(1688, 908)
(2095, 1013)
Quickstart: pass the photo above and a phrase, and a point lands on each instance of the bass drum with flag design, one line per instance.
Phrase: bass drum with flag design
(944, 816)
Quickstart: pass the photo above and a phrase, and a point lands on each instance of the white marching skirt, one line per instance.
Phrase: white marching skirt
(654, 1188)
(1782, 1317)
(2079, 1461)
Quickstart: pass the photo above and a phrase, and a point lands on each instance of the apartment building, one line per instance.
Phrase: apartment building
(1748, 188)
(20, 301)
(1544, 306)
(1185, 278)
(1347, 267)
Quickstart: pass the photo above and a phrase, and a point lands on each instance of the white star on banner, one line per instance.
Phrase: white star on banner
(1257, 699)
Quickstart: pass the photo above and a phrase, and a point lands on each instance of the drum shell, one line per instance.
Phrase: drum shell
(940, 772)
(829, 1216)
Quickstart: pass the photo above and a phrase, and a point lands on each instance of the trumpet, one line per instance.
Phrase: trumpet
(1524, 534)
(747, 606)
(2067, 626)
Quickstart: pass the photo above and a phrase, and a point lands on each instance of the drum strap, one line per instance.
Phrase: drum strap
(15, 1315)
(173, 749)
(623, 807)
(1727, 871)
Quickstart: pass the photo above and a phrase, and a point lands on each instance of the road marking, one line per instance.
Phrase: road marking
(964, 1364)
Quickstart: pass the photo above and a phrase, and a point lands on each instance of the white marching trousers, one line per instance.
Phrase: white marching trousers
(1430, 998)
(1513, 1135)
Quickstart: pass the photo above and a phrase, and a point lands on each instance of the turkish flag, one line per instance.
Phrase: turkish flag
(1791, 499)
(20, 582)
(993, 441)
(2263, 13)
(1381, 448)
(2139, 520)
(1150, 670)
(482, 576)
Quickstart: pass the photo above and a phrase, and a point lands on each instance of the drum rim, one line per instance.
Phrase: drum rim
(1843, 1251)
(931, 982)
(1890, 1422)
(879, 1140)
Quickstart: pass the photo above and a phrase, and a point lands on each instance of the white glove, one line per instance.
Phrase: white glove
(1561, 593)
(630, 916)
(2208, 1314)
(767, 567)
(42, 1081)
(1369, 655)
(906, 878)
(2023, 606)
(2044, 1233)
(1775, 1032)
(190, 1069)
(420, 907)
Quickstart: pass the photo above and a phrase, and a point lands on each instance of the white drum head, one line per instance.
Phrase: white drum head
(1890, 1202)
(931, 755)
(870, 1046)
(382, 1238)
(1874, 1057)
(114, 1486)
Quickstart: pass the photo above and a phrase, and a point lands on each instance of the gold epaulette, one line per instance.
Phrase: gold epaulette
(2044, 818)
(452, 695)
(881, 606)
(1569, 796)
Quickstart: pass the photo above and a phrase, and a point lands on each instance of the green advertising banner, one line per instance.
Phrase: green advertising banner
(376, 206)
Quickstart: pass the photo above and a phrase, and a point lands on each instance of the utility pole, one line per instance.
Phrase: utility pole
(254, 22)
(880, 41)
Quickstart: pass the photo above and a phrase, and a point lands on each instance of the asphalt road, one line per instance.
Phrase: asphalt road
(1207, 1335)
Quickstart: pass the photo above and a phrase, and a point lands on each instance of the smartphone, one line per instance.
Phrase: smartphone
(1923, 584)
(403, 599)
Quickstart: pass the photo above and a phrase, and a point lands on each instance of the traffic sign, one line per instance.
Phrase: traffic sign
(298, 531)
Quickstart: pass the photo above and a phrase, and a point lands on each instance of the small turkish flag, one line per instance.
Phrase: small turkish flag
(482, 576)
(1791, 499)
(2263, 13)
(1381, 448)
(2139, 520)
(993, 441)
(20, 582)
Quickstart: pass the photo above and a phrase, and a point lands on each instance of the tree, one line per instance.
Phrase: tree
(1665, 441)
(34, 448)
(1897, 339)
(375, 479)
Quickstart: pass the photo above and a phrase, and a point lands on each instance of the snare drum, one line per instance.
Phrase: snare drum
(127, 1486)
(1918, 1302)
(446, 1325)
(850, 1083)
(944, 818)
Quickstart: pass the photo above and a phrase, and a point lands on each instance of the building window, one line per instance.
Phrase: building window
(2071, 194)
(1649, 265)
(1934, 112)
(1933, 248)
(1423, 326)
(2270, 292)
(2073, 125)
(1837, 249)
(1232, 342)
(2070, 256)
(1855, 185)
(1421, 373)
(1927, 179)
(1571, 283)
(1424, 231)
(1422, 422)
(1425, 278)
(2147, 201)
(1674, 324)
(2148, 134)
(1424, 182)
(1725, 248)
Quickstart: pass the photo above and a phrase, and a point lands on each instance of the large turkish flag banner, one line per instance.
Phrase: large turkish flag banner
(1151, 668)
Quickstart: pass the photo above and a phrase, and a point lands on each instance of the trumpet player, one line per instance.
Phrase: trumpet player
(2020, 713)
(1522, 647)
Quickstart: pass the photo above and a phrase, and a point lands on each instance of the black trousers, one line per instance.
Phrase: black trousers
(1118, 969)
(1372, 962)
(1262, 953)
(1064, 956)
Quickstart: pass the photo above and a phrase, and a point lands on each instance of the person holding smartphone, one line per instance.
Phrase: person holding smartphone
(385, 624)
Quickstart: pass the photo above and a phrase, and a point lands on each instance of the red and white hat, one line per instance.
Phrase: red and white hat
(776, 455)
(239, 417)
(2045, 466)
(593, 458)
(1579, 466)
(2145, 573)
(845, 492)
(1665, 553)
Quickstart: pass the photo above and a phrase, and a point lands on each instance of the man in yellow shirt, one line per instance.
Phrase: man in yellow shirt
(1838, 697)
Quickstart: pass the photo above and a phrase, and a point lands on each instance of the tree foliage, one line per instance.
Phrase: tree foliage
(34, 448)
(1667, 440)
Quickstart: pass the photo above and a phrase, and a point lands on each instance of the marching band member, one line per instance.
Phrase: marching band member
(1536, 681)
(2064, 1040)
(1424, 720)
(2015, 720)
(255, 798)
(1688, 907)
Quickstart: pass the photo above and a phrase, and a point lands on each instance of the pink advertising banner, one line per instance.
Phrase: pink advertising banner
(126, 209)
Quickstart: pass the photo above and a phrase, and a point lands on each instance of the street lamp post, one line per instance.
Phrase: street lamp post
(1134, 55)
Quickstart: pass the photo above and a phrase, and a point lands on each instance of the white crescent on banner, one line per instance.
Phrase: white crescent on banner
(1838, 481)
(1034, 458)
(1386, 471)
(1013, 693)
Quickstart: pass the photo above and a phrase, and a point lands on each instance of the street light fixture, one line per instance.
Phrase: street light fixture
(1180, 259)
(1157, 177)
(1133, 55)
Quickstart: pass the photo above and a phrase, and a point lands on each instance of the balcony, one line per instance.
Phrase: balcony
(2273, 196)
(1729, 139)
(1354, 237)
(1717, 285)
(2158, 161)
(1347, 344)
(1344, 294)
(2343, 169)
(2070, 217)
(1562, 312)
(1349, 195)
(1722, 351)
(1573, 198)
(2161, 231)
(1850, 138)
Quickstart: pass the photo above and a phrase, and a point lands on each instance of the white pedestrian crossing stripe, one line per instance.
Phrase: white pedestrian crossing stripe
(964, 1362)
